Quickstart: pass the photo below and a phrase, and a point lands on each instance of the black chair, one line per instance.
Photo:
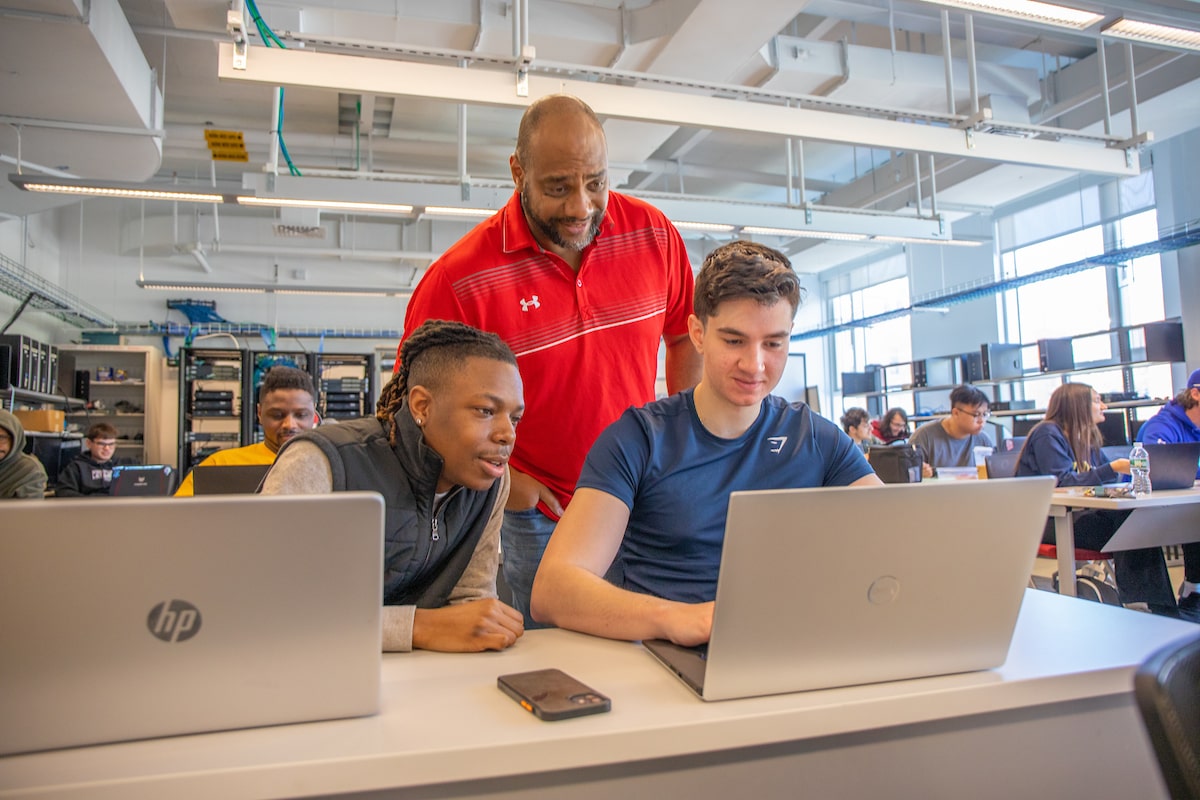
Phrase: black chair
(1166, 688)
(1002, 464)
(1012, 443)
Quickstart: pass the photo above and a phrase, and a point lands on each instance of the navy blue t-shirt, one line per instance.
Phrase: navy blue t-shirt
(676, 477)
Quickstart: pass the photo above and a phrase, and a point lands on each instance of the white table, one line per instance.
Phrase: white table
(1165, 517)
(1057, 718)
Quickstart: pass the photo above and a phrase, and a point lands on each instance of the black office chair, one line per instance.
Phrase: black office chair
(1002, 464)
(1167, 688)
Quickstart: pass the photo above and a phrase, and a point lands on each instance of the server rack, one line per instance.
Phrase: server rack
(211, 402)
(345, 385)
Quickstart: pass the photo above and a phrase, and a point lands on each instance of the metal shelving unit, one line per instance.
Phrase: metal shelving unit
(211, 395)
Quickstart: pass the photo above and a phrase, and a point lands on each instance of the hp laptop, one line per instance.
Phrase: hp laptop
(1173, 466)
(843, 586)
(142, 480)
(148, 617)
(228, 478)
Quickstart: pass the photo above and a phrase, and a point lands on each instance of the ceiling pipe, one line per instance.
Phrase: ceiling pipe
(948, 58)
(1131, 80)
(972, 71)
(1100, 57)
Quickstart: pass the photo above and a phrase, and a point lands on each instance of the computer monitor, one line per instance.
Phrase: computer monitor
(938, 371)
(812, 398)
(1113, 428)
(860, 382)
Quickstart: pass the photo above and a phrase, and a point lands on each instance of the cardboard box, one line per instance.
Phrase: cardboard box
(49, 420)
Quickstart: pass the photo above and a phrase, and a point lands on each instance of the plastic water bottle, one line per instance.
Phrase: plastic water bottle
(1139, 470)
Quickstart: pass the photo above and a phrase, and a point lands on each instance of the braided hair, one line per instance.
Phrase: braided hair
(430, 355)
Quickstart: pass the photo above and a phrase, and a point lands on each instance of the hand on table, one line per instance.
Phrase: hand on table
(467, 627)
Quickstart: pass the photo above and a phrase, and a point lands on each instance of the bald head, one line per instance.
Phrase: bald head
(558, 111)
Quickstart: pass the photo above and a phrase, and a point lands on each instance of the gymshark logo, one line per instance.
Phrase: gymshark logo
(528, 304)
(777, 443)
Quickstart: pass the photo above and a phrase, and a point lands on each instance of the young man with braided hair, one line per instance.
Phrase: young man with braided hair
(654, 490)
(437, 450)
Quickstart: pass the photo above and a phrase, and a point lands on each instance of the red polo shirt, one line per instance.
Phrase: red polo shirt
(587, 343)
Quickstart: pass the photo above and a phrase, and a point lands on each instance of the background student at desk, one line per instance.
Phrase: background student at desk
(21, 475)
(951, 441)
(286, 408)
(1179, 421)
(91, 472)
(1066, 444)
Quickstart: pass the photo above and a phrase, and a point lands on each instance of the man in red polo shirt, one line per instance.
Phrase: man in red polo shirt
(582, 284)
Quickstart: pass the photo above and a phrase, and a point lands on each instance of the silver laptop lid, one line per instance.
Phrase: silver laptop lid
(124, 619)
(843, 586)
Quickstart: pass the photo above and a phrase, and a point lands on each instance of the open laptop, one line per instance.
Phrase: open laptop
(228, 478)
(843, 586)
(138, 618)
(1173, 466)
(142, 480)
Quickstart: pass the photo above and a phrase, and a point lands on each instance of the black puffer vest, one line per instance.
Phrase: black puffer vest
(424, 556)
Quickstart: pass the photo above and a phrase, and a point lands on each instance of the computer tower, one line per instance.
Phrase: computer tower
(972, 367)
(919, 375)
(50, 376)
(1055, 355)
(6, 378)
(1001, 361)
(22, 369)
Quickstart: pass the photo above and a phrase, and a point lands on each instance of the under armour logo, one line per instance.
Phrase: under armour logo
(527, 304)
(777, 443)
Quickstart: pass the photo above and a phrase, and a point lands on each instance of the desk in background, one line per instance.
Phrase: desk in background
(1057, 720)
(1165, 517)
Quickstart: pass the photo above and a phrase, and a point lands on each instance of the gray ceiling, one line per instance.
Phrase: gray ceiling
(125, 90)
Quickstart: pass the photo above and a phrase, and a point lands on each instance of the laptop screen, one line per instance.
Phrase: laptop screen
(143, 480)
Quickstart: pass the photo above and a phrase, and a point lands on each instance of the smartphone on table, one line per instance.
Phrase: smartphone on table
(551, 694)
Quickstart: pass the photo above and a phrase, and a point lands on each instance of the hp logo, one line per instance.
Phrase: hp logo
(174, 621)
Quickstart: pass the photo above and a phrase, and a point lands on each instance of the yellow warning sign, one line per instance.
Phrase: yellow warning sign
(226, 145)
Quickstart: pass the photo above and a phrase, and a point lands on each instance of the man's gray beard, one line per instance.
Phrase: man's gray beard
(551, 232)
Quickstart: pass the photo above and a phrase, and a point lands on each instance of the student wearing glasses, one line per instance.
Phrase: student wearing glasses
(951, 441)
(91, 472)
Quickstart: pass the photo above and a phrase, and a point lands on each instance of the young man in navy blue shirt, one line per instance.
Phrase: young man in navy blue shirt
(654, 491)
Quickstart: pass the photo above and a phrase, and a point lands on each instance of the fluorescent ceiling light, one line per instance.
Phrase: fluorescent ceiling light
(272, 288)
(1029, 11)
(803, 233)
(920, 240)
(1150, 33)
(704, 227)
(86, 188)
(326, 205)
(453, 211)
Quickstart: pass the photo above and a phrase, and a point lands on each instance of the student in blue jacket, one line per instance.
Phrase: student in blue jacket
(1179, 421)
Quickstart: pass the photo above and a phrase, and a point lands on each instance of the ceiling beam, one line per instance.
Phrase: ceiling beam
(279, 67)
